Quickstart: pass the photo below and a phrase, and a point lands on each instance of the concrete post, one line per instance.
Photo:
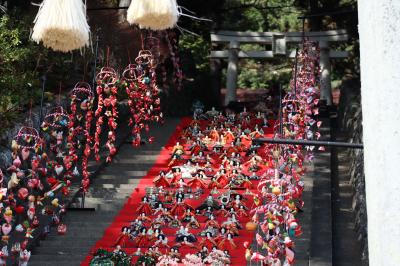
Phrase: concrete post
(232, 72)
(379, 24)
(325, 65)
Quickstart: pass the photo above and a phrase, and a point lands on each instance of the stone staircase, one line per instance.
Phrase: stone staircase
(107, 194)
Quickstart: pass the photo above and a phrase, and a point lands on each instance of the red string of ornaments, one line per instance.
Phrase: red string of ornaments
(79, 138)
(174, 51)
(143, 95)
(106, 110)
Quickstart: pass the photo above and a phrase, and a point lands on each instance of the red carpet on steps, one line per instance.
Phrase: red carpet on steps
(128, 212)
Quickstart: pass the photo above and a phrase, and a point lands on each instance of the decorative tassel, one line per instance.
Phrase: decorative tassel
(61, 25)
(153, 14)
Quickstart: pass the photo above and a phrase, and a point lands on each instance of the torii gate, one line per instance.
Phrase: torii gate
(278, 41)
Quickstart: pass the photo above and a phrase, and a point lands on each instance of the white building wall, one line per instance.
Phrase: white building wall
(379, 28)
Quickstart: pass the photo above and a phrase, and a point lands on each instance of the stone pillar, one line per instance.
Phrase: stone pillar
(232, 72)
(325, 65)
(379, 24)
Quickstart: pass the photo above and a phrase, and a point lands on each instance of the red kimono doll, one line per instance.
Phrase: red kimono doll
(180, 207)
(214, 135)
(161, 180)
(177, 176)
(227, 243)
(123, 237)
(196, 182)
(208, 242)
(144, 207)
(214, 184)
(222, 178)
(143, 239)
(229, 138)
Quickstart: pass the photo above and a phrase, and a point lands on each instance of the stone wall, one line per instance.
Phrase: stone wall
(350, 121)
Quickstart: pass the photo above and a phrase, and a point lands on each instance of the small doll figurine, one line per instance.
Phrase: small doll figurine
(175, 223)
(161, 180)
(143, 239)
(144, 207)
(222, 178)
(24, 257)
(187, 216)
(143, 218)
(241, 212)
(196, 182)
(223, 211)
(162, 241)
(174, 253)
(176, 176)
(212, 222)
(193, 223)
(214, 184)
(183, 234)
(208, 241)
(178, 150)
(186, 243)
(180, 207)
(227, 243)
(123, 237)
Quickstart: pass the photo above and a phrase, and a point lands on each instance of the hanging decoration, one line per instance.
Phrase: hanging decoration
(153, 14)
(143, 95)
(107, 111)
(55, 128)
(172, 42)
(61, 25)
(79, 134)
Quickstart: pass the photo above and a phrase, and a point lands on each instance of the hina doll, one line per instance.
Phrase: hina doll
(214, 135)
(161, 242)
(209, 202)
(178, 150)
(161, 180)
(214, 184)
(222, 178)
(174, 253)
(228, 137)
(196, 182)
(227, 243)
(123, 237)
(183, 234)
(180, 207)
(144, 207)
(208, 241)
(222, 211)
(175, 223)
(176, 176)
(143, 239)
(144, 219)
(193, 223)
(187, 216)
(245, 141)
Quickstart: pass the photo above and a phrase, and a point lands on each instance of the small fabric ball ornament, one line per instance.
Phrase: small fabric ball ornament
(251, 226)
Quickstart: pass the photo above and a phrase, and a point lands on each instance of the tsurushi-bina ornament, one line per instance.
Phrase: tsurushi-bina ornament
(79, 138)
(107, 111)
(143, 95)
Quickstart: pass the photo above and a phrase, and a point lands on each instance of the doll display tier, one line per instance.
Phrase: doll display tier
(144, 198)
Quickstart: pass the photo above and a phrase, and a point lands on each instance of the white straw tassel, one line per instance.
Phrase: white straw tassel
(62, 25)
(153, 14)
